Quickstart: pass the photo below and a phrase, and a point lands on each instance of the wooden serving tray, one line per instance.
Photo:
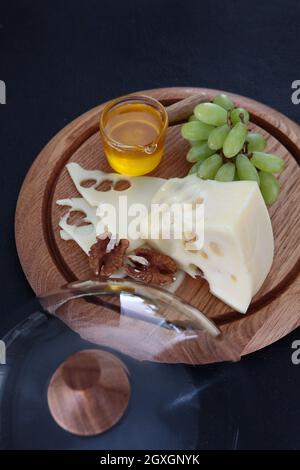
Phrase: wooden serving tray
(49, 262)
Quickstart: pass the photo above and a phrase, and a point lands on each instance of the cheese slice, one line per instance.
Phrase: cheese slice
(140, 191)
(141, 188)
(85, 235)
(238, 240)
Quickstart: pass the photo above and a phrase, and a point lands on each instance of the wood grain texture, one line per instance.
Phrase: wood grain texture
(49, 262)
(89, 392)
(181, 110)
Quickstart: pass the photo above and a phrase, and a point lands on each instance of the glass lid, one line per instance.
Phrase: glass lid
(111, 365)
(145, 322)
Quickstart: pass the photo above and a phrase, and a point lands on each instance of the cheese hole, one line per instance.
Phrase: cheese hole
(215, 249)
(197, 271)
(77, 218)
(121, 185)
(233, 278)
(189, 241)
(190, 236)
(190, 246)
(87, 183)
(203, 254)
(104, 186)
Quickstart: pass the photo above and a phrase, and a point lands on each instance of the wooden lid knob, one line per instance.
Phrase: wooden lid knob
(89, 392)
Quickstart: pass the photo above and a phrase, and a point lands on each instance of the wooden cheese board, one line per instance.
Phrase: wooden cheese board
(49, 262)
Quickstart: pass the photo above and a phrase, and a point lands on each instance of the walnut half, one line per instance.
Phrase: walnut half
(106, 257)
(151, 267)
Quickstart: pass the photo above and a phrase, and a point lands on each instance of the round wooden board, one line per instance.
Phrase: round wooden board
(49, 262)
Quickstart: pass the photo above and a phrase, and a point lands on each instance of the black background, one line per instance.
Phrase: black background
(60, 58)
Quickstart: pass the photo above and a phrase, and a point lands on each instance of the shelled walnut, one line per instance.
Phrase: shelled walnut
(106, 255)
(151, 267)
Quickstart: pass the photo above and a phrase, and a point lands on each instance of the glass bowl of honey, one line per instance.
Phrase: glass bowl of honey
(133, 130)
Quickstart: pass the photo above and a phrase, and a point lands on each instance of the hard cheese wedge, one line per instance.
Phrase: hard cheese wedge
(238, 241)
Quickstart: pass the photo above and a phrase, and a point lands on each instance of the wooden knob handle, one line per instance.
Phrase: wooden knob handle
(89, 392)
(181, 110)
(81, 371)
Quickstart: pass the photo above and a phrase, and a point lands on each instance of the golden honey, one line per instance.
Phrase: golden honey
(133, 130)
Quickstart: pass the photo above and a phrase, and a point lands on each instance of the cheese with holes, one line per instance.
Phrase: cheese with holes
(83, 235)
(138, 193)
(238, 240)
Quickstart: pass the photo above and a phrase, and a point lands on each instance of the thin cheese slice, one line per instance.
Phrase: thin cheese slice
(140, 192)
(85, 235)
(141, 188)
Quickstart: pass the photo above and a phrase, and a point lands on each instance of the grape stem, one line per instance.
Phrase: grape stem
(229, 122)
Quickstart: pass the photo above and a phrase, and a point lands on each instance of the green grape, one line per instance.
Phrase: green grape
(226, 172)
(194, 169)
(235, 140)
(239, 115)
(192, 118)
(256, 142)
(199, 152)
(196, 130)
(208, 169)
(223, 101)
(211, 113)
(217, 136)
(269, 187)
(245, 169)
(267, 162)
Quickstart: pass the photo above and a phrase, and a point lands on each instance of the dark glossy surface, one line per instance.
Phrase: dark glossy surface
(59, 59)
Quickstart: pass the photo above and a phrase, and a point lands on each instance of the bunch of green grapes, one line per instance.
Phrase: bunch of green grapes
(224, 150)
